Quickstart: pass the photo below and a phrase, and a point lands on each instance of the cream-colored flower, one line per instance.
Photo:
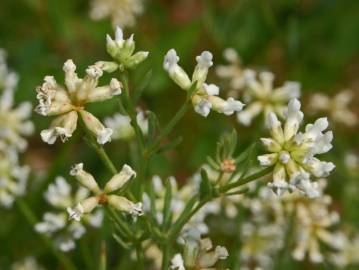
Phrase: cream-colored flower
(206, 97)
(292, 153)
(121, 125)
(29, 263)
(233, 72)
(337, 107)
(262, 97)
(122, 12)
(348, 255)
(198, 254)
(13, 177)
(69, 103)
(103, 196)
(56, 223)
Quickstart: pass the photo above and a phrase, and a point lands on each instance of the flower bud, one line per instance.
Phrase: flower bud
(123, 204)
(107, 66)
(94, 125)
(85, 178)
(136, 59)
(120, 179)
(204, 62)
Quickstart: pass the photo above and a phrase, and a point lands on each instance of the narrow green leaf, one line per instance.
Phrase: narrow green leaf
(167, 205)
(170, 146)
(205, 188)
(142, 86)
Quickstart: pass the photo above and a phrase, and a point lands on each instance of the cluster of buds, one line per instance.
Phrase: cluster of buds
(292, 153)
(105, 196)
(122, 51)
(69, 103)
(205, 97)
(198, 254)
(263, 97)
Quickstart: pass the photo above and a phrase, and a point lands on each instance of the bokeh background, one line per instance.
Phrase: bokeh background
(311, 41)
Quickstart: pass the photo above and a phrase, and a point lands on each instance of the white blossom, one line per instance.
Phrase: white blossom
(337, 107)
(121, 125)
(69, 103)
(121, 12)
(103, 196)
(261, 96)
(205, 96)
(292, 153)
(56, 223)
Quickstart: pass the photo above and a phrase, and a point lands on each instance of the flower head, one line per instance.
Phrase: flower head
(292, 153)
(122, 12)
(263, 97)
(122, 50)
(205, 96)
(68, 103)
(103, 196)
(56, 224)
(336, 107)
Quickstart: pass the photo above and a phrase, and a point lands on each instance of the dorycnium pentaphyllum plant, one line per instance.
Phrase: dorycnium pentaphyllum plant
(270, 195)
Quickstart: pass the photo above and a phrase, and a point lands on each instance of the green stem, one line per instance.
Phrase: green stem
(167, 130)
(140, 257)
(166, 252)
(103, 257)
(32, 220)
(100, 151)
(123, 225)
(246, 180)
(142, 161)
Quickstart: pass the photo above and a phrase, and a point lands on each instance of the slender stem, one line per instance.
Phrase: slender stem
(32, 220)
(103, 257)
(246, 180)
(173, 122)
(123, 225)
(140, 257)
(166, 252)
(100, 151)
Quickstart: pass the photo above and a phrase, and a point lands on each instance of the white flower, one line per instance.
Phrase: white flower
(348, 255)
(205, 97)
(68, 103)
(122, 12)
(177, 262)
(102, 197)
(233, 72)
(198, 254)
(263, 97)
(292, 153)
(336, 107)
(29, 263)
(121, 125)
(56, 223)
(14, 123)
(13, 177)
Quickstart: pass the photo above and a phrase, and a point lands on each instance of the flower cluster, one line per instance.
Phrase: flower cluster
(292, 153)
(198, 253)
(122, 51)
(103, 197)
(233, 72)
(28, 263)
(69, 103)
(56, 224)
(14, 125)
(263, 97)
(336, 107)
(121, 12)
(205, 97)
(121, 125)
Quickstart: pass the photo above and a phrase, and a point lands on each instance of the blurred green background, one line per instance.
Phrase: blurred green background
(313, 42)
